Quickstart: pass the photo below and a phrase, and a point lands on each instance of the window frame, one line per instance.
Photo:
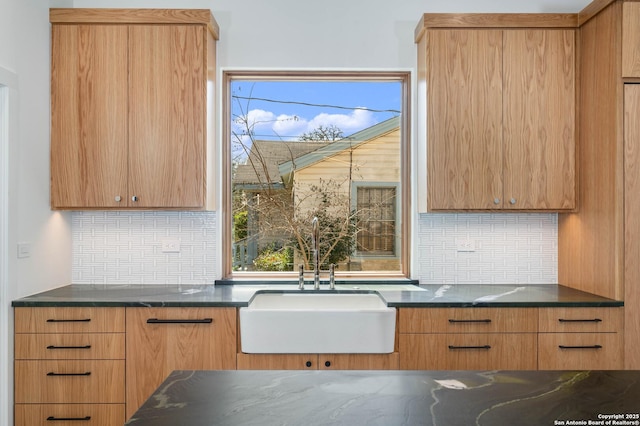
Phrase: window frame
(397, 247)
(404, 234)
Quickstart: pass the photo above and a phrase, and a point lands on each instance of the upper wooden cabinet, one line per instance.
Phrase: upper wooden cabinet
(631, 39)
(132, 108)
(500, 106)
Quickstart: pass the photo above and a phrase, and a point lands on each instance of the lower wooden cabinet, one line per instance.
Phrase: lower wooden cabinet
(69, 414)
(69, 366)
(318, 361)
(497, 351)
(580, 339)
(160, 340)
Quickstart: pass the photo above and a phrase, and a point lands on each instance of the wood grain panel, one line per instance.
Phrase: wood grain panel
(69, 320)
(590, 243)
(135, 16)
(464, 149)
(167, 123)
(495, 20)
(154, 350)
(88, 115)
(433, 351)
(539, 119)
(467, 320)
(77, 381)
(632, 226)
(359, 361)
(87, 414)
(277, 361)
(69, 346)
(580, 320)
(631, 39)
(582, 351)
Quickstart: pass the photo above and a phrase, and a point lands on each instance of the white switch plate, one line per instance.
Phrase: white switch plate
(24, 250)
(465, 245)
(171, 246)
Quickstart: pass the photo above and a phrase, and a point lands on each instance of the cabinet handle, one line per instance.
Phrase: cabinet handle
(455, 321)
(68, 419)
(580, 347)
(69, 320)
(512, 201)
(327, 363)
(135, 198)
(496, 201)
(51, 373)
(69, 347)
(117, 198)
(580, 320)
(179, 321)
(486, 347)
(308, 363)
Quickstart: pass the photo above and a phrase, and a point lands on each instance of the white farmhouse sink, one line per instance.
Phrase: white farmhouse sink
(317, 322)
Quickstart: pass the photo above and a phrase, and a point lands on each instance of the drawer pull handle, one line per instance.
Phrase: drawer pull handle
(68, 419)
(580, 320)
(455, 321)
(179, 321)
(69, 320)
(69, 347)
(486, 347)
(51, 373)
(580, 347)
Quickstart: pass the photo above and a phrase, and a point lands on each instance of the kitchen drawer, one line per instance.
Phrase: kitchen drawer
(359, 361)
(580, 320)
(277, 361)
(467, 320)
(69, 320)
(468, 351)
(69, 414)
(77, 381)
(580, 351)
(70, 346)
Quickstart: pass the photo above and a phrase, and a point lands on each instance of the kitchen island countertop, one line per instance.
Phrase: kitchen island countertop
(199, 398)
(224, 295)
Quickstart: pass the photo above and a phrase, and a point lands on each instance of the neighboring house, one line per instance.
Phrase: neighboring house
(358, 176)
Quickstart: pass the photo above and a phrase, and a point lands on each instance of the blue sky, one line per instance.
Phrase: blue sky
(287, 121)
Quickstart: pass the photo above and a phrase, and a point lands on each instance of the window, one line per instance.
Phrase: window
(376, 229)
(305, 145)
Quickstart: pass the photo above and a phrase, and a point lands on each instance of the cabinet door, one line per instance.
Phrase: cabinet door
(88, 115)
(359, 361)
(539, 119)
(464, 123)
(160, 340)
(167, 102)
(277, 361)
(630, 39)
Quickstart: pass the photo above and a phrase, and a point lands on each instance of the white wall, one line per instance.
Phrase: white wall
(24, 67)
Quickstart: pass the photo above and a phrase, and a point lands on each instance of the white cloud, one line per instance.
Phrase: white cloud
(290, 127)
(349, 123)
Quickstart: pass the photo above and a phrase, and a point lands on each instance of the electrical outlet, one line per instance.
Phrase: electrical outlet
(171, 246)
(465, 245)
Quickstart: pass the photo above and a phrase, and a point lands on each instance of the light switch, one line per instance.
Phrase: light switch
(24, 250)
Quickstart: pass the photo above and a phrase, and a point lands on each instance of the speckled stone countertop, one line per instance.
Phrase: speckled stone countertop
(396, 295)
(537, 398)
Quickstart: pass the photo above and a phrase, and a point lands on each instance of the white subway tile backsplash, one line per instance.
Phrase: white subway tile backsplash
(518, 248)
(126, 248)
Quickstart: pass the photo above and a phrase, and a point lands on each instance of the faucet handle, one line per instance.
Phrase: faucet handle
(332, 276)
(301, 276)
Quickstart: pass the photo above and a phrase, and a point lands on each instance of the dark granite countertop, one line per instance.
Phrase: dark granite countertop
(396, 295)
(537, 398)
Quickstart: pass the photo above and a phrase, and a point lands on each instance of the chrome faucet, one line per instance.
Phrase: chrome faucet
(315, 240)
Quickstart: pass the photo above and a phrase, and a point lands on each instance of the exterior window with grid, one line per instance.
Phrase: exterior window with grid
(376, 217)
